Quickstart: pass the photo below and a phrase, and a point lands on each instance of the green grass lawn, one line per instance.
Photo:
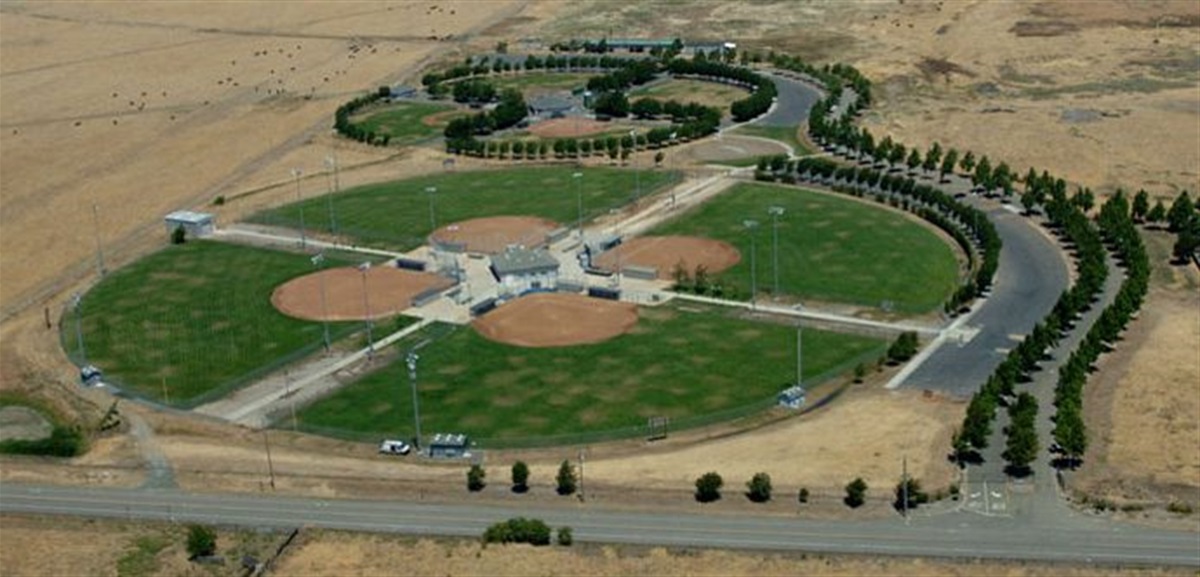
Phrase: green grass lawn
(830, 248)
(681, 361)
(396, 214)
(784, 134)
(403, 121)
(197, 316)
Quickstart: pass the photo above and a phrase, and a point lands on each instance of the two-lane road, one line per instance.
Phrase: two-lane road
(948, 535)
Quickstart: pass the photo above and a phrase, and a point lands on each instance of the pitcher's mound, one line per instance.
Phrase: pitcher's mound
(492, 234)
(665, 252)
(388, 292)
(557, 320)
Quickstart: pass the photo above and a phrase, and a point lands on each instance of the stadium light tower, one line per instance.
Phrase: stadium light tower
(99, 246)
(750, 226)
(775, 212)
(331, 164)
(296, 172)
(637, 174)
(411, 360)
(578, 177)
(76, 302)
(431, 190)
(363, 268)
(317, 260)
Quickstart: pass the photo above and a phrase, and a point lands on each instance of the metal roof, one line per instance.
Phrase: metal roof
(517, 260)
(189, 217)
(552, 102)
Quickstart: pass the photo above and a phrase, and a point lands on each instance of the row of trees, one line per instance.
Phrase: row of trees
(763, 89)
(345, 127)
(521, 530)
(460, 133)
(566, 481)
(908, 492)
(1021, 447)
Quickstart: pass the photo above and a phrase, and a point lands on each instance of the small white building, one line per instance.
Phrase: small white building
(194, 224)
(520, 270)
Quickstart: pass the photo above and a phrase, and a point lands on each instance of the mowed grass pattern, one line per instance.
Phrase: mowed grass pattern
(830, 248)
(196, 315)
(397, 215)
(405, 121)
(679, 361)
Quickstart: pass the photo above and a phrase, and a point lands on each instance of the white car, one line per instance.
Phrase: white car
(394, 447)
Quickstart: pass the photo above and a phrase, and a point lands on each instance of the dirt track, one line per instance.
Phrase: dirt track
(569, 127)
(388, 290)
(557, 320)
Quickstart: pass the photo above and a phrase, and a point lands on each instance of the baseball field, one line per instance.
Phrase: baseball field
(193, 321)
(401, 214)
(830, 248)
(407, 122)
(680, 361)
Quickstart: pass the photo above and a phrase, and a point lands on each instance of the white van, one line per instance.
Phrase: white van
(394, 447)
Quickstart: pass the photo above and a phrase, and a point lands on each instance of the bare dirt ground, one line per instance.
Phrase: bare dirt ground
(1143, 410)
(389, 291)
(557, 320)
(22, 423)
(728, 148)
(569, 127)
(666, 253)
(493, 234)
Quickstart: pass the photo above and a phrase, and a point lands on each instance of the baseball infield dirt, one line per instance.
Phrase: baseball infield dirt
(388, 292)
(665, 252)
(569, 127)
(557, 320)
(491, 235)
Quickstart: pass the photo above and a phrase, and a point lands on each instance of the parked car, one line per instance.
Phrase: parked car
(391, 447)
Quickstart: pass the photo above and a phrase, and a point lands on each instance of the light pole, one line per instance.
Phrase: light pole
(317, 260)
(99, 246)
(411, 360)
(76, 302)
(799, 340)
(296, 172)
(363, 268)
(331, 163)
(637, 174)
(750, 226)
(775, 212)
(578, 177)
(431, 190)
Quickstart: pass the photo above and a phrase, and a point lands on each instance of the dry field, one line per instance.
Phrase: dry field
(46, 546)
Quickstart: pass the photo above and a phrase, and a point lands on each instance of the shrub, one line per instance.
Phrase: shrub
(758, 488)
(475, 478)
(565, 537)
(1180, 508)
(201, 541)
(520, 477)
(62, 442)
(856, 492)
(803, 496)
(519, 530)
(566, 478)
(708, 487)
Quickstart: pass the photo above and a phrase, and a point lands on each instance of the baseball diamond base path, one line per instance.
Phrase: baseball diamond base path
(557, 320)
(493, 234)
(388, 292)
(665, 252)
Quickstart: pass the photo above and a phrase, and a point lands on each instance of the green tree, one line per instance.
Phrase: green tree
(948, 163)
(1181, 214)
(1022, 446)
(1141, 205)
(933, 157)
(520, 477)
(803, 495)
(983, 173)
(475, 478)
(758, 488)
(565, 479)
(658, 158)
(896, 156)
(201, 541)
(915, 496)
(967, 164)
(519, 530)
(1158, 214)
(856, 493)
(904, 347)
(565, 536)
(914, 159)
(1083, 199)
(708, 487)
(1070, 432)
(860, 371)
(646, 108)
(613, 103)
(1187, 242)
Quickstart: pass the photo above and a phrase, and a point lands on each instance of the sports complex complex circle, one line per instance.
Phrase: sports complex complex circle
(491, 235)
(345, 293)
(666, 253)
(557, 320)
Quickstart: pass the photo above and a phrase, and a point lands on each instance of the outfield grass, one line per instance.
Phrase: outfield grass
(397, 215)
(687, 90)
(403, 121)
(680, 361)
(830, 248)
(784, 134)
(196, 317)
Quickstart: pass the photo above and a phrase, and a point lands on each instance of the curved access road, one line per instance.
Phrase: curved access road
(948, 535)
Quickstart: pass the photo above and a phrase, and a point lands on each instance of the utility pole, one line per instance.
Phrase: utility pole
(799, 356)
(363, 268)
(432, 218)
(270, 465)
(99, 247)
(411, 360)
(750, 226)
(331, 162)
(775, 212)
(904, 488)
(578, 177)
(76, 302)
(317, 260)
(296, 172)
(581, 493)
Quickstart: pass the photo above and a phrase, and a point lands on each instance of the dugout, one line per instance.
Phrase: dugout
(449, 446)
(194, 224)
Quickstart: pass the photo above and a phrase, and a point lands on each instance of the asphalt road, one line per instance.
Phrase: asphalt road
(1029, 280)
(950, 535)
(795, 98)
